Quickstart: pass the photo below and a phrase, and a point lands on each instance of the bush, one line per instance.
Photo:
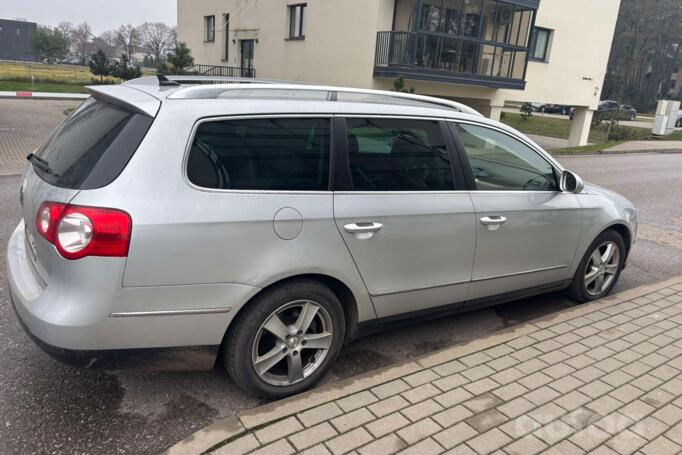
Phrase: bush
(526, 111)
(399, 85)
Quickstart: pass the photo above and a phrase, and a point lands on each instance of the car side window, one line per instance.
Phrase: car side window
(398, 155)
(501, 163)
(261, 154)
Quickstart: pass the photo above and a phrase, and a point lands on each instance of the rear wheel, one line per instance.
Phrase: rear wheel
(599, 269)
(285, 340)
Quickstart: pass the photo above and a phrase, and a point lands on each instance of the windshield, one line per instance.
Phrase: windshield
(92, 146)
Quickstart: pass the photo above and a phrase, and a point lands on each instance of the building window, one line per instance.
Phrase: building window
(296, 21)
(18, 31)
(209, 28)
(539, 49)
(226, 41)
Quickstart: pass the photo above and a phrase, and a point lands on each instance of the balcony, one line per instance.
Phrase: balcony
(475, 42)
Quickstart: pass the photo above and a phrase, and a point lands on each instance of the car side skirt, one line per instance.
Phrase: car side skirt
(370, 327)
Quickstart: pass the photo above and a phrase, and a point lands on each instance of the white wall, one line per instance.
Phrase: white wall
(579, 53)
(339, 37)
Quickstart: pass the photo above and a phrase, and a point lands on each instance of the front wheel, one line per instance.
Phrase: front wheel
(599, 269)
(285, 340)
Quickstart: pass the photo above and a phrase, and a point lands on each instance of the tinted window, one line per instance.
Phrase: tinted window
(398, 155)
(261, 154)
(500, 162)
(93, 145)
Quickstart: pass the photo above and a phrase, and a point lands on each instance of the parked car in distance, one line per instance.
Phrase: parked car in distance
(264, 225)
(555, 109)
(630, 111)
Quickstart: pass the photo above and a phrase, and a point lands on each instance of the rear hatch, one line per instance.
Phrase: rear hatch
(87, 151)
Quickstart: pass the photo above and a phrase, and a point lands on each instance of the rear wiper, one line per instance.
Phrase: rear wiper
(41, 164)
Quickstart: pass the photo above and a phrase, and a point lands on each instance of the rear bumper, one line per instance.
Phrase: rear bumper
(70, 316)
(170, 358)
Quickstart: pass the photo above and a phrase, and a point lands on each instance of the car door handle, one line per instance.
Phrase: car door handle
(362, 230)
(493, 222)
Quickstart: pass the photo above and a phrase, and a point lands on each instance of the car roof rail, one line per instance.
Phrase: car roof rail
(222, 79)
(331, 93)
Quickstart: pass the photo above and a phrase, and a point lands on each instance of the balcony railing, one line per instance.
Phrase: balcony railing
(438, 57)
(217, 70)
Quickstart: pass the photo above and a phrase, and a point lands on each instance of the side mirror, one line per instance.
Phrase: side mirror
(571, 183)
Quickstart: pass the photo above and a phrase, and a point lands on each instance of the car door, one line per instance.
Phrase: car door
(403, 212)
(527, 229)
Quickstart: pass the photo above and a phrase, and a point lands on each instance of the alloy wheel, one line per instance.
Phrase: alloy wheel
(292, 343)
(602, 268)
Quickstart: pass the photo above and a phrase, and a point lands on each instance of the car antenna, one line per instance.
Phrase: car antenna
(165, 82)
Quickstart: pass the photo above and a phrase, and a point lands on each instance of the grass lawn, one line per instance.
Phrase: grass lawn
(560, 128)
(15, 76)
(14, 86)
(66, 74)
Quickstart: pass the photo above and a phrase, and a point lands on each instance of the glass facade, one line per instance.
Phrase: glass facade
(481, 39)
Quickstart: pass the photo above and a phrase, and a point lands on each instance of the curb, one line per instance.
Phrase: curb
(248, 420)
(44, 96)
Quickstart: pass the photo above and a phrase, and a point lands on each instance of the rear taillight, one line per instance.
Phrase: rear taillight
(78, 231)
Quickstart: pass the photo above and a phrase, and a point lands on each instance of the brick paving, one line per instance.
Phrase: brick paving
(602, 378)
(24, 125)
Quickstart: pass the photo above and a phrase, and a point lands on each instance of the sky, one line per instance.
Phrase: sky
(102, 15)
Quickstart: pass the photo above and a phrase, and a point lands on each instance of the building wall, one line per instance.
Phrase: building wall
(340, 37)
(15, 40)
(580, 47)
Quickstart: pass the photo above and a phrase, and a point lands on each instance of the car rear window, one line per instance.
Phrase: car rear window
(92, 146)
(290, 154)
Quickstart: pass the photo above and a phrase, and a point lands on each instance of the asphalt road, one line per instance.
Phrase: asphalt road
(49, 408)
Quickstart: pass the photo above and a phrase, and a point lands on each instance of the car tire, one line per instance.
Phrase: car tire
(586, 286)
(276, 366)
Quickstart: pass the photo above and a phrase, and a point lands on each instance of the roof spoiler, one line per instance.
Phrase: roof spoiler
(127, 97)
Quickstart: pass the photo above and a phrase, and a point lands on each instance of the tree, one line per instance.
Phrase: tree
(65, 27)
(80, 36)
(127, 38)
(156, 38)
(647, 47)
(180, 58)
(49, 44)
(99, 64)
(123, 70)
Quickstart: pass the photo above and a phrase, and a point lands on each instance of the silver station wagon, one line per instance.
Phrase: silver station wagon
(263, 225)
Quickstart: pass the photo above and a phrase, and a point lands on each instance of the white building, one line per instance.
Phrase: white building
(481, 52)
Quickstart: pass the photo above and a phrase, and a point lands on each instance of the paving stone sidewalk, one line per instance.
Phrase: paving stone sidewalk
(24, 125)
(600, 378)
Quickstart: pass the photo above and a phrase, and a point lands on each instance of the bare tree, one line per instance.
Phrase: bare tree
(80, 36)
(157, 38)
(173, 37)
(65, 27)
(127, 37)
